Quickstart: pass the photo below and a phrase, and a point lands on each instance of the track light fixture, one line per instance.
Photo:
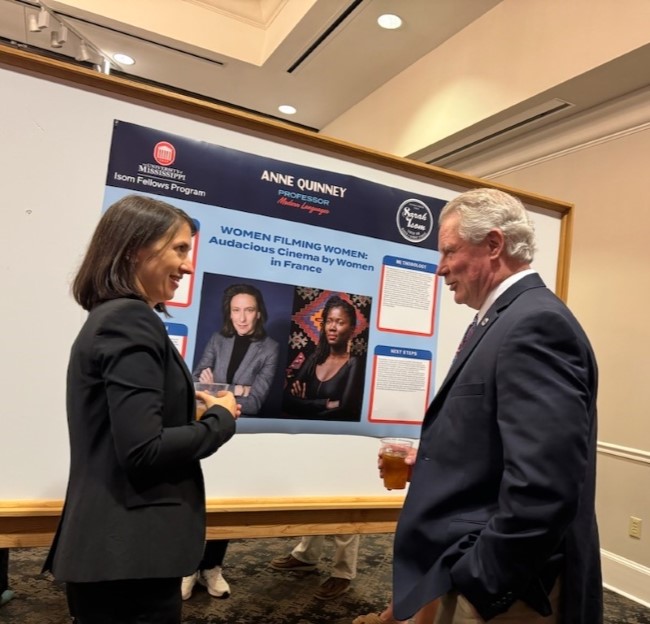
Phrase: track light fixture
(43, 19)
(82, 52)
(86, 52)
(32, 24)
(62, 37)
(104, 66)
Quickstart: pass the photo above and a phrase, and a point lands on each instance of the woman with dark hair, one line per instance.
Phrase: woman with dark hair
(133, 523)
(329, 385)
(241, 354)
(244, 357)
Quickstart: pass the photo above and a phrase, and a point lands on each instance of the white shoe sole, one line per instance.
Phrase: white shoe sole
(215, 593)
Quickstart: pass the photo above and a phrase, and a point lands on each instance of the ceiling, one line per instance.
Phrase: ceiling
(320, 56)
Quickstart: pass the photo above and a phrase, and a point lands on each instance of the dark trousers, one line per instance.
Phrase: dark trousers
(4, 569)
(141, 601)
(213, 555)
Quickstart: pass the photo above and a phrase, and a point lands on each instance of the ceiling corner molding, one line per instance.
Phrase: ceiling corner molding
(610, 121)
(478, 140)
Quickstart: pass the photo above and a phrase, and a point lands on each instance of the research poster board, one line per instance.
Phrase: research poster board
(58, 130)
(302, 236)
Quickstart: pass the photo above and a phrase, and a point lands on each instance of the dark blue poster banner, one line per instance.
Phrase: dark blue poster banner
(314, 295)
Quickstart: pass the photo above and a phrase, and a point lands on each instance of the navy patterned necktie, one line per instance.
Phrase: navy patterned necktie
(467, 335)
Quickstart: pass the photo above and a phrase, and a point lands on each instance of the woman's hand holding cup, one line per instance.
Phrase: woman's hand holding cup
(210, 394)
(224, 398)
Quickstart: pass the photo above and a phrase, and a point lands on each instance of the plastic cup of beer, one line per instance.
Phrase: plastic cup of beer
(394, 468)
(210, 388)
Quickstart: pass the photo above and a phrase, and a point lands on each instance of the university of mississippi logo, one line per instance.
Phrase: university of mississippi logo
(164, 153)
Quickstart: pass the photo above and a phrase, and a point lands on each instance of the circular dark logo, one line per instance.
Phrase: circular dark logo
(414, 220)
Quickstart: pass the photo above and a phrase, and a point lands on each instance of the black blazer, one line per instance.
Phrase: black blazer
(135, 503)
(502, 494)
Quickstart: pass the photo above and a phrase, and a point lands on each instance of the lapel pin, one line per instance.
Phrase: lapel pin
(485, 321)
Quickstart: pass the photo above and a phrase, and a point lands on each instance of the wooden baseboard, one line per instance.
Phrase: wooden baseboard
(33, 523)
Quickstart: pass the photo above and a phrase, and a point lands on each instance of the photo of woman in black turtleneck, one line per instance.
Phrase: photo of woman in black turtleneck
(241, 354)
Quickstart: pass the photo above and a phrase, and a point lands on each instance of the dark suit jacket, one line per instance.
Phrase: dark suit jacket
(256, 370)
(135, 503)
(501, 499)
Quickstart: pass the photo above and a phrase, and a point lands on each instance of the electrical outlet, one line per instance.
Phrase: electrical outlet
(634, 528)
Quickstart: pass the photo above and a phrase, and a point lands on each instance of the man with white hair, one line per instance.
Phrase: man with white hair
(499, 519)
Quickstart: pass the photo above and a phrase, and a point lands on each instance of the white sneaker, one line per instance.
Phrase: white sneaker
(187, 585)
(214, 582)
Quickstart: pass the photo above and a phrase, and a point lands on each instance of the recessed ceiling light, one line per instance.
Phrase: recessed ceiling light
(123, 59)
(389, 21)
(287, 109)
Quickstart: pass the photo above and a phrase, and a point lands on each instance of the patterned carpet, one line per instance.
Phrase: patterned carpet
(260, 595)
